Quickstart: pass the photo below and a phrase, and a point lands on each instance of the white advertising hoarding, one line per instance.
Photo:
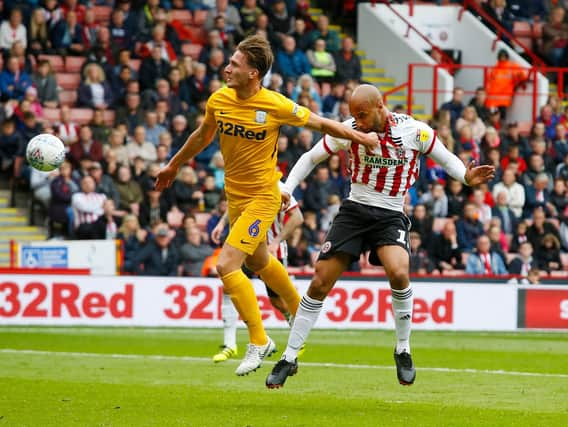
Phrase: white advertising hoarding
(196, 302)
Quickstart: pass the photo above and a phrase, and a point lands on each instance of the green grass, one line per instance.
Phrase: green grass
(92, 386)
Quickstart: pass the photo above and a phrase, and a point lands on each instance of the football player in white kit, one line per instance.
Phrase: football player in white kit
(372, 217)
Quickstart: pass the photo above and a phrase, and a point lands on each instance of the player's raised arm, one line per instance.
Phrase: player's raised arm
(336, 129)
(197, 141)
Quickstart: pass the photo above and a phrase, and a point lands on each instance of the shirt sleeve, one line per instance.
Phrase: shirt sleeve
(291, 113)
(422, 137)
(210, 109)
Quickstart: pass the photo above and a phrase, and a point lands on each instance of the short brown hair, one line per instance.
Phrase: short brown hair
(258, 53)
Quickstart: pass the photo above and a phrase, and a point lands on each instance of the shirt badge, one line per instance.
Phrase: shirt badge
(260, 116)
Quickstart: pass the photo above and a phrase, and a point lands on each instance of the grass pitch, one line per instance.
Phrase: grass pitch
(164, 377)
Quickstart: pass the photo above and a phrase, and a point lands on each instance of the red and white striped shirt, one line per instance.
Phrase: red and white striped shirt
(382, 177)
(276, 228)
(87, 207)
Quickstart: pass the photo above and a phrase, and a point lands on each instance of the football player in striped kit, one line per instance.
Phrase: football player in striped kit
(279, 232)
(372, 217)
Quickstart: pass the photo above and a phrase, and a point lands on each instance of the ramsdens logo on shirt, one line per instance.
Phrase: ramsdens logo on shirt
(382, 162)
(231, 129)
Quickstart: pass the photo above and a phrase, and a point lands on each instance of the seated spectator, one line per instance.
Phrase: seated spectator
(193, 253)
(131, 114)
(318, 191)
(87, 207)
(12, 148)
(322, 62)
(298, 253)
(564, 233)
(116, 145)
(331, 102)
(444, 251)
(281, 21)
(40, 184)
(505, 214)
(25, 61)
(469, 116)
(211, 194)
(522, 264)
(422, 222)
(310, 231)
(249, 12)
(154, 209)
(419, 261)
(129, 190)
(337, 176)
(217, 168)
(85, 147)
(44, 81)
(483, 209)
(322, 31)
(548, 253)
(185, 192)
(305, 85)
(513, 137)
(455, 106)
(478, 102)
(158, 41)
(153, 67)
(513, 157)
(469, 227)
(101, 131)
(468, 148)
(562, 169)
(106, 226)
(560, 144)
(231, 15)
(558, 201)
(539, 228)
(498, 240)
(159, 256)
(133, 238)
(301, 35)
(67, 36)
(30, 126)
(104, 183)
(538, 196)
(215, 66)
(515, 192)
(140, 147)
(120, 33)
(290, 61)
(519, 236)
(555, 37)
(456, 198)
(152, 129)
(13, 82)
(62, 189)
(95, 91)
(214, 41)
(549, 120)
(436, 201)
(347, 62)
(13, 30)
(484, 261)
(197, 85)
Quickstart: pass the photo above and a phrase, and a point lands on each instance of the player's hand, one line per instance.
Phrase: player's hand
(165, 177)
(285, 200)
(369, 140)
(218, 232)
(475, 175)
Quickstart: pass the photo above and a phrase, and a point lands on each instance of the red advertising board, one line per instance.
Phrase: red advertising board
(543, 309)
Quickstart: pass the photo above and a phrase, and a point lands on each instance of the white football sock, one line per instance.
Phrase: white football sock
(306, 317)
(402, 301)
(230, 318)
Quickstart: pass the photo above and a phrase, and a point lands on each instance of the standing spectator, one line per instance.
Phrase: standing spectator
(131, 114)
(322, 31)
(484, 261)
(129, 191)
(555, 37)
(87, 207)
(13, 82)
(44, 81)
(13, 30)
(444, 250)
(502, 211)
(62, 189)
(515, 192)
(455, 105)
(95, 90)
(522, 264)
(153, 67)
(292, 62)
(159, 256)
(322, 62)
(469, 227)
(133, 238)
(347, 62)
(193, 253)
(86, 147)
(140, 147)
(502, 81)
(548, 253)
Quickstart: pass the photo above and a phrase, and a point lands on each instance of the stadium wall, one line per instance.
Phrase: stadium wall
(196, 302)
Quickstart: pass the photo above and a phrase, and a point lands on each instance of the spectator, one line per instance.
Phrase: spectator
(478, 102)
(318, 191)
(305, 86)
(549, 120)
(67, 36)
(12, 30)
(499, 12)
(483, 209)
(322, 62)
(502, 81)
(215, 65)
(519, 236)
(217, 167)
(298, 253)
(333, 205)
(231, 15)
(484, 261)
(422, 222)
(40, 184)
(330, 103)
(132, 114)
(106, 226)
(129, 190)
(159, 256)
(30, 126)
(436, 201)
(153, 67)
(555, 37)
(498, 240)
(211, 194)
(44, 81)
(25, 61)
(322, 31)
(133, 238)
(419, 261)
(337, 176)
(564, 233)
(292, 62)
(62, 189)
(540, 147)
(301, 35)
(456, 198)
(116, 145)
(502, 211)
(538, 195)
(158, 41)
(444, 250)
(536, 166)
(86, 147)
(87, 207)
(515, 192)
(152, 129)
(120, 34)
(514, 156)
(13, 82)
(249, 13)
(469, 228)
(310, 231)
(101, 131)
(522, 264)
(95, 91)
(455, 105)
(469, 116)
(193, 253)
(513, 137)
(154, 209)
(104, 183)
(348, 64)
(140, 147)
(548, 253)
(197, 85)
(559, 199)
(539, 228)
(12, 148)
(562, 169)
(185, 194)
(560, 145)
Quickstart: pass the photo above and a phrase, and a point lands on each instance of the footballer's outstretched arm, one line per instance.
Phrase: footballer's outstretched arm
(338, 130)
(197, 141)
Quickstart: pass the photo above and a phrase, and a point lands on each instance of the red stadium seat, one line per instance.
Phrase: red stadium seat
(68, 81)
(73, 64)
(197, 35)
(68, 97)
(102, 14)
(183, 16)
(51, 115)
(191, 49)
(81, 115)
(199, 17)
(56, 62)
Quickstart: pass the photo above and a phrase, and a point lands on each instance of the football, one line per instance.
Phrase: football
(45, 152)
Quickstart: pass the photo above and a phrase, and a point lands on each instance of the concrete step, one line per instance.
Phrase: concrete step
(315, 11)
(10, 212)
(22, 237)
(20, 229)
(6, 221)
(383, 80)
(369, 62)
(3, 202)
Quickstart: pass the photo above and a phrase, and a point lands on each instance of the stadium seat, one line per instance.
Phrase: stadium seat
(56, 62)
(191, 49)
(81, 115)
(199, 17)
(68, 81)
(523, 33)
(102, 14)
(68, 97)
(184, 16)
(559, 274)
(197, 35)
(73, 64)
(564, 260)
(51, 115)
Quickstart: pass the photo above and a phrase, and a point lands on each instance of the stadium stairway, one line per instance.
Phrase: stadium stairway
(378, 76)
(13, 226)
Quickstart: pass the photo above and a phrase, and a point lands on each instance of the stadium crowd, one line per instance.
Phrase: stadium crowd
(144, 71)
